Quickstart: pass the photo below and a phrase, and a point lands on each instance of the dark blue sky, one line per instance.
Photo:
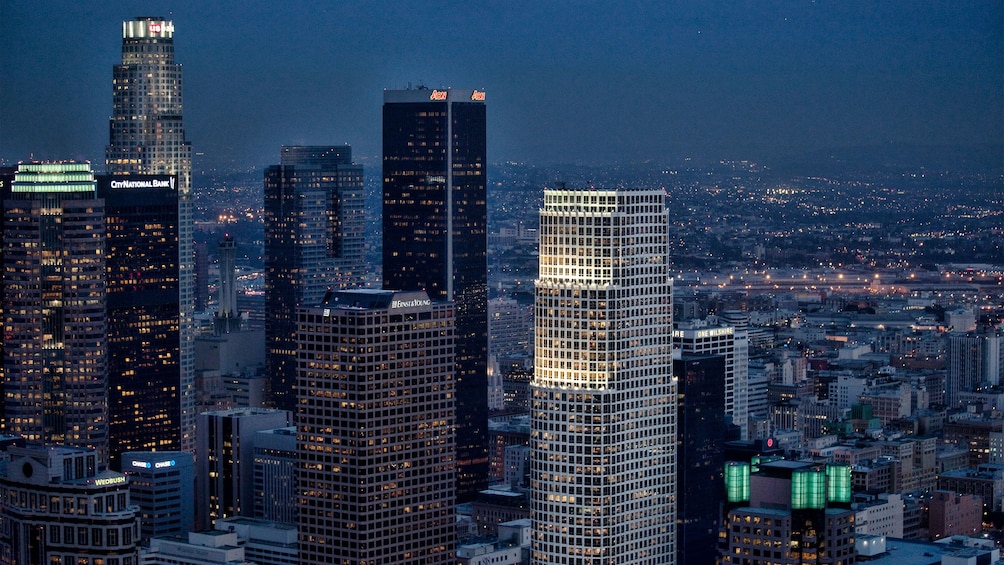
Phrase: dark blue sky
(583, 81)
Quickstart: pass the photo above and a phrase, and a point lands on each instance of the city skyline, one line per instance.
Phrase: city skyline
(598, 83)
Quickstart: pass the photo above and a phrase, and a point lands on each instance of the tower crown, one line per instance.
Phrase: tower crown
(148, 27)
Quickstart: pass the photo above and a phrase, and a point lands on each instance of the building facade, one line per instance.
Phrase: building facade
(701, 426)
(314, 241)
(603, 439)
(375, 434)
(698, 339)
(975, 359)
(435, 238)
(954, 514)
(790, 512)
(275, 475)
(161, 483)
(147, 136)
(264, 542)
(142, 229)
(55, 325)
(226, 460)
(58, 506)
(212, 547)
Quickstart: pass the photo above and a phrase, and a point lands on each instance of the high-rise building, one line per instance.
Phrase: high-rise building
(375, 438)
(55, 324)
(226, 460)
(60, 507)
(603, 439)
(435, 238)
(144, 313)
(701, 427)
(697, 338)
(314, 241)
(147, 137)
(510, 326)
(275, 475)
(6, 179)
(975, 359)
(161, 486)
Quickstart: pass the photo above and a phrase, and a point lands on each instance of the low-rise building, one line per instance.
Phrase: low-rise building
(879, 515)
(211, 547)
(951, 514)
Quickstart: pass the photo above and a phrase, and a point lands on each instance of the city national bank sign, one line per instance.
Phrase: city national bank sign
(143, 182)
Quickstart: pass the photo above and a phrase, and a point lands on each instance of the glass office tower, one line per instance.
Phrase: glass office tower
(144, 312)
(314, 241)
(435, 238)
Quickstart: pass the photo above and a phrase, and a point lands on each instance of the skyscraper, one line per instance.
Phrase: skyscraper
(435, 238)
(147, 136)
(694, 338)
(226, 460)
(144, 312)
(227, 318)
(375, 435)
(275, 475)
(160, 484)
(603, 438)
(314, 241)
(55, 330)
(701, 428)
(975, 359)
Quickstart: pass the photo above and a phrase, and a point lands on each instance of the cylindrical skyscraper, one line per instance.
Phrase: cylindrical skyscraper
(147, 137)
(603, 439)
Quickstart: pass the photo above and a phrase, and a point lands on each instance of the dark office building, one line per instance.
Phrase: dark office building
(314, 241)
(701, 427)
(144, 396)
(435, 238)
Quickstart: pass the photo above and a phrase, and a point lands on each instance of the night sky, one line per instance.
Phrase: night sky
(585, 82)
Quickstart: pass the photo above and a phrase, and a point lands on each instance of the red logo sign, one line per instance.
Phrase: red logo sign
(438, 95)
(478, 96)
(153, 27)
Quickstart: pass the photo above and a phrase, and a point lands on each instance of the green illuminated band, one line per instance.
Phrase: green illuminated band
(53, 177)
(838, 483)
(808, 489)
(737, 481)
